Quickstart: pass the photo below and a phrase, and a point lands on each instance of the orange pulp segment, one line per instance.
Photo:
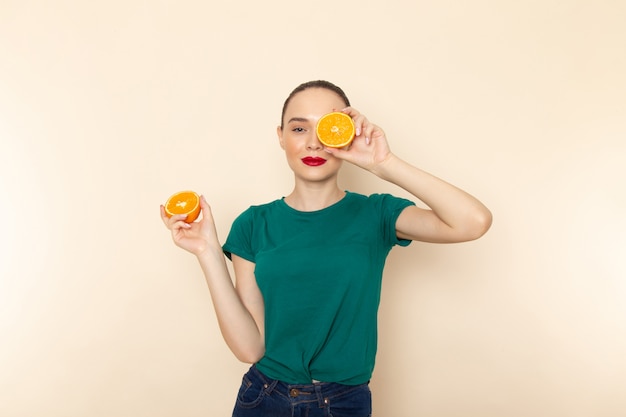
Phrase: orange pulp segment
(184, 202)
(335, 130)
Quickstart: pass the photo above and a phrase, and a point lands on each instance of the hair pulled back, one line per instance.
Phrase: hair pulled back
(313, 84)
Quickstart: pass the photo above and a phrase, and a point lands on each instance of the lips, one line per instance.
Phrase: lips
(313, 161)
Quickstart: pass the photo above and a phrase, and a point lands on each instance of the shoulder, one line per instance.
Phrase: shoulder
(245, 230)
(255, 211)
(379, 200)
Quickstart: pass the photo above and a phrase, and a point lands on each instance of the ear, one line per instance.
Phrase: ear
(279, 132)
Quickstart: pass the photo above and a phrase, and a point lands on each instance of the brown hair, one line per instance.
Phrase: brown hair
(313, 84)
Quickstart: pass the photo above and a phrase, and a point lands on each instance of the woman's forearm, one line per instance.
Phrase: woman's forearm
(237, 325)
(456, 208)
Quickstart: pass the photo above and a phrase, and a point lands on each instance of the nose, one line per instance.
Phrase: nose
(313, 143)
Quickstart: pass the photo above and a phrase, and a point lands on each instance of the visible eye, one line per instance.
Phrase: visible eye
(298, 129)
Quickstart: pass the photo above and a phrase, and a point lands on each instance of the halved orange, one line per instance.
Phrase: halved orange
(184, 202)
(335, 130)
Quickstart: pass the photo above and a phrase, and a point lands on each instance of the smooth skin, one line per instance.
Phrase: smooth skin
(452, 215)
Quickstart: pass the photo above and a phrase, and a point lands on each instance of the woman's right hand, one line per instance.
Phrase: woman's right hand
(194, 237)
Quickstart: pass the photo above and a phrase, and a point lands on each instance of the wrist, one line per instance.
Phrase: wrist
(209, 250)
(385, 168)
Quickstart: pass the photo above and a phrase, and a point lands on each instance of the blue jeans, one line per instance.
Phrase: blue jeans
(260, 396)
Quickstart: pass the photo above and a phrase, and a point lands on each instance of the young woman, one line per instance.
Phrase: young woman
(308, 267)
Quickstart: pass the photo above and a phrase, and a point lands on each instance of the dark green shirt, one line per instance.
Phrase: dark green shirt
(320, 275)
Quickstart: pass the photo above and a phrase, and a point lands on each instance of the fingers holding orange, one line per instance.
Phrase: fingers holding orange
(363, 127)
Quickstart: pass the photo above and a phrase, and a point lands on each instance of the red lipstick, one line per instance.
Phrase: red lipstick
(313, 161)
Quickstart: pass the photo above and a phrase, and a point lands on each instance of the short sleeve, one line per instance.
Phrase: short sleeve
(390, 208)
(239, 240)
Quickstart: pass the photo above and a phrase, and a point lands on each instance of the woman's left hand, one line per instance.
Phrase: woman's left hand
(369, 148)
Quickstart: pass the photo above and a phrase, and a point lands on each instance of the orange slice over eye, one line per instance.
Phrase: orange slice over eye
(335, 130)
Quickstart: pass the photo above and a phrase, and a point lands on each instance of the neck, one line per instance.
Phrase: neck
(314, 198)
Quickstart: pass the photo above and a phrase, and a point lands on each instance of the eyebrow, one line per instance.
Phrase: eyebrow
(298, 119)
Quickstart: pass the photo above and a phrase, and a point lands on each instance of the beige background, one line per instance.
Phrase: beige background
(106, 108)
